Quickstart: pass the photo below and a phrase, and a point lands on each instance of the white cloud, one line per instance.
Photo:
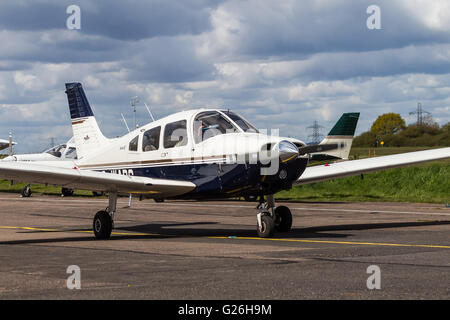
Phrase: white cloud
(433, 14)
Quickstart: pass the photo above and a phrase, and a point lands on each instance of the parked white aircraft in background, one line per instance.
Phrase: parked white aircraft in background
(62, 152)
(198, 154)
(65, 151)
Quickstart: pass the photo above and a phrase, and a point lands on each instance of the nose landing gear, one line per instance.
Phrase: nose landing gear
(271, 218)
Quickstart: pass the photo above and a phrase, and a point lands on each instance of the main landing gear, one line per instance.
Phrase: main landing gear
(26, 191)
(104, 219)
(271, 218)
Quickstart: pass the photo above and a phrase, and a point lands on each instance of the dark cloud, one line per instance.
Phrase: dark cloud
(271, 29)
(118, 19)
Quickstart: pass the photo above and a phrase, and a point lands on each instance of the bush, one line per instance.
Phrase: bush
(426, 135)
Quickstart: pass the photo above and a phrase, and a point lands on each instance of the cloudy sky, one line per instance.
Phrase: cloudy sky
(282, 64)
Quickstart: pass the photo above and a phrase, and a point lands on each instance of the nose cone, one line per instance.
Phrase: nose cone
(287, 151)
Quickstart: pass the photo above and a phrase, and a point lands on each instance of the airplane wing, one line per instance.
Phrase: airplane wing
(92, 180)
(5, 144)
(354, 167)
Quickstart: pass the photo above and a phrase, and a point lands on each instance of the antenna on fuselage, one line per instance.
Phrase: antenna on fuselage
(123, 118)
(148, 109)
(134, 100)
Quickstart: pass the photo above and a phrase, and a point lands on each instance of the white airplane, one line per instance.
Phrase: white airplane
(198, 154)
(66, 151)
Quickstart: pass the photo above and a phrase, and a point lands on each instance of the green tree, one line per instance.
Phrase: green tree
(388, 124)
(366, 139)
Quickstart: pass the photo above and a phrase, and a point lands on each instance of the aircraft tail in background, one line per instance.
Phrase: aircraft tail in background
(342, 134)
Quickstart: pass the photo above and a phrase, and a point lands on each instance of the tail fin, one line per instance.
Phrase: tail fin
(87, 135)
(342, 134)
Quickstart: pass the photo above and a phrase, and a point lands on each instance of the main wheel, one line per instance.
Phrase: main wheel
(26, 192)
(283, 220)
(97, 193)
(66, 192)
(102, 225)
(267, 227)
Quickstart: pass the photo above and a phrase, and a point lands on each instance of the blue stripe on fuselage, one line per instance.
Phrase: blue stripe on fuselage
(219, 180)
(210, 179)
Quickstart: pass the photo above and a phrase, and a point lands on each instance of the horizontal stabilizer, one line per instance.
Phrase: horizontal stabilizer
(319, 148)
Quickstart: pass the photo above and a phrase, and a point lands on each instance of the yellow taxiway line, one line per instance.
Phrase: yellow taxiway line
(79, 231)
(338, 242)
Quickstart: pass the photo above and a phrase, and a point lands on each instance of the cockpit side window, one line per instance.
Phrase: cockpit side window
(242, 123)
(209, 124)
(133, 146)
(71, 153)
(175, 134)
(150, 139)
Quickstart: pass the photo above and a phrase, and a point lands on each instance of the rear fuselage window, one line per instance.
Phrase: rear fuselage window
(150, 139)
(133, 146)
(209, 124)
(175, 134)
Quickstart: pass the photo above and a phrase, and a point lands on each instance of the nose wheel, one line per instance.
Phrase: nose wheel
(271, 218)
(266, 227)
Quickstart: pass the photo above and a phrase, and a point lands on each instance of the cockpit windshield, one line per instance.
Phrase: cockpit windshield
(241, 122)
(57, 151)
(209, 124)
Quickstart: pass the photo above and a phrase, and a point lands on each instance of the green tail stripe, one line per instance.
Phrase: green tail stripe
(346, 125)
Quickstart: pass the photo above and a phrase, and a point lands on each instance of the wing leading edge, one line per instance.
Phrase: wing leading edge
(355, 167)
(92, 180)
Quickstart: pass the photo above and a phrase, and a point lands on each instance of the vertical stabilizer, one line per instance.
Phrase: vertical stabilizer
(87, 135)
(342, 134)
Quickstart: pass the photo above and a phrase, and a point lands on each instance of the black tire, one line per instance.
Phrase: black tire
(283, 220)
(26, 192)
(158, 200)
(66, 192)
(268, 227)
(102, 225)
(97, 193)
(251, 198)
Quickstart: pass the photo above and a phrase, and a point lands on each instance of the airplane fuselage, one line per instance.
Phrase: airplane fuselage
(221, 165)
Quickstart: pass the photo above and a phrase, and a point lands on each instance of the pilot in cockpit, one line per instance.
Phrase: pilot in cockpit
(205, 131)
(151, 144)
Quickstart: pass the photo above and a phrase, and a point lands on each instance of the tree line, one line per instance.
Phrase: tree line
(390, 130)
